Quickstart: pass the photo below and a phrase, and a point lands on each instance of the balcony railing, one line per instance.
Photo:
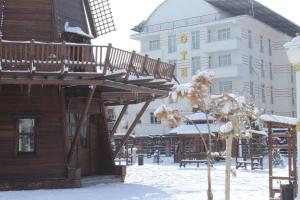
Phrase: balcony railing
(179, 23)
(51, 57)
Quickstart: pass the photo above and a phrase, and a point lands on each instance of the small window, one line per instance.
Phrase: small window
(271, 71)
(261, 44)
(195, 40)
(251, 88)
(209, 36)
(224, 34)
(196, 64)
(224, 60)
(172, 45)
(263, 93)
(250, 64)
(293, 96)
(262, 68)
(27, 128)
(270, 47)
(250, 39)
(292, 74)
(225, 87)
(154, 45)
(271, 95)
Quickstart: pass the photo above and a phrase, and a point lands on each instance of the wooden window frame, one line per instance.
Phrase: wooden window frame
(36, 130)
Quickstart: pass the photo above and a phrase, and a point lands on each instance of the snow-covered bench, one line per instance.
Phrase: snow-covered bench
(185, 161)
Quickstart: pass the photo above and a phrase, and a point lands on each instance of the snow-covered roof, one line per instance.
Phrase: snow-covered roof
(77, 31)
(279, 119)
(191, 129)
(199, 116)
(264, 133)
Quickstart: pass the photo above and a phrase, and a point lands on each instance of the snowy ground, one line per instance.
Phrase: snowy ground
(165, 181)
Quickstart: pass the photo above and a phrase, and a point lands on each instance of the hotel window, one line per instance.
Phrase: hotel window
(174, 62)
(195, 40)
(293, 96)
(27, 131)
(154, 45)
(209, 62)
(196, 64)
(261, 43)
(224, 60)
(224, 34)
(209, 36)
(263, 95)
(251, 88)
(270, 47)
(262, 68)
(250, 64)
(294, 114)
(172, 45)
(292, 74)
(271, 71)
(250, 39)
(225, 87)
(271, 95)
(153, 119)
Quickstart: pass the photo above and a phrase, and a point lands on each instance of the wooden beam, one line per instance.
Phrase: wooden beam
(145, 62)
(133, 88)
(80, 123)
(117, 123)
(49, 82)
(130, 129)
(130, 66)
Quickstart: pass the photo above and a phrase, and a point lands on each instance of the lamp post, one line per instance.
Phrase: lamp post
(293, 52)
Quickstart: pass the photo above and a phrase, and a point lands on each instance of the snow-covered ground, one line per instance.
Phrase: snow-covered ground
(164, 181)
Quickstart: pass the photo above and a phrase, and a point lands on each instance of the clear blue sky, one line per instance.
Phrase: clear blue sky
(128, 13)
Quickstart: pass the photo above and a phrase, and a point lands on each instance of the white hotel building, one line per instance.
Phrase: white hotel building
(240, 41)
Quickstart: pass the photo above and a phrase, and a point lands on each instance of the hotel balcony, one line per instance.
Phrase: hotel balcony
(221, 45)
(226, 71)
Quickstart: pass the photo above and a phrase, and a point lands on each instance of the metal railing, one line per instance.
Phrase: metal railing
(180, 23)
(40, 56)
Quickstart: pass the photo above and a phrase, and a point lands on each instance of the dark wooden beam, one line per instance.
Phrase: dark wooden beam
(80, 123)
(130, 66)
(133, 88)
(117, 123)
(130, 129)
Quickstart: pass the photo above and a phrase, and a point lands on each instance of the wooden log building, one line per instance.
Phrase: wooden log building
(54, 89)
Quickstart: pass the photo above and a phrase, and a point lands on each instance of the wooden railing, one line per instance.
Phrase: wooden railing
(39, 56)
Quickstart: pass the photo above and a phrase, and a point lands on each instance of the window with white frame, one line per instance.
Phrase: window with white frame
(27, 131)
(250, 64)
(270, 47)
(271, 95)
(261, 43)
(224, 60)
(251, 88)
(154, 45)
(209, 62)
(195, 39)
(250, 39)
(271, 71)
(196, 64)
(225, 87)
(224, 34)
(174, 62)
(262, 70)
(263, 93)
(172, 45)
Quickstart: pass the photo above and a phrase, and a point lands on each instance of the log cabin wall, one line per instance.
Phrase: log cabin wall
(49, 159)
(28, 19)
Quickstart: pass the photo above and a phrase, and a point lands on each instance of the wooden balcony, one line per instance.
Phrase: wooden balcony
(80, 61)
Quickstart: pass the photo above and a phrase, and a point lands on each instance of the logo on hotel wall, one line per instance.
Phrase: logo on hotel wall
(183, 38)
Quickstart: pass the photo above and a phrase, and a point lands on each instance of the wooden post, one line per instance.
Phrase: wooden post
(156, 72)
(31, 54)
(117, 123)
(80, 123)
(107, 58)
(63, 54)
(130, 65)
(145, 62)
(139, 115)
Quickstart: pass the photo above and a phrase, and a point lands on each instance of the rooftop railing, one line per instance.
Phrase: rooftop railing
(179, 23)
(40, 56)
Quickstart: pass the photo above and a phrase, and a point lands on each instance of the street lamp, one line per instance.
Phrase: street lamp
(293, 52)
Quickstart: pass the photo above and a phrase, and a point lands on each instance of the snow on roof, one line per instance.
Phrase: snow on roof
(191, 129)
(294, 43)
(76, 30)
(199, 116)
(279, 119)
(264, 133)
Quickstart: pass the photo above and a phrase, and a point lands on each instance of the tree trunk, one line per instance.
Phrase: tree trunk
(229, 140)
